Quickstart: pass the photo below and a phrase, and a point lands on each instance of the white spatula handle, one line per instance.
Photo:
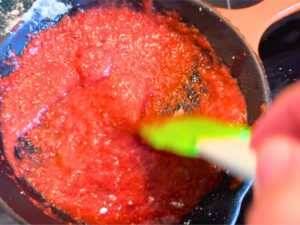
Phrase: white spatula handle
(234, 156)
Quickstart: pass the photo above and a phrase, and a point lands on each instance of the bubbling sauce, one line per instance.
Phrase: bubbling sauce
(71, 106)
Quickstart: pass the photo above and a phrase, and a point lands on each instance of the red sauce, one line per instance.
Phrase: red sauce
(70, 108)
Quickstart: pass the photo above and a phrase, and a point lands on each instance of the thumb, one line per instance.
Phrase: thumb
(277, 187)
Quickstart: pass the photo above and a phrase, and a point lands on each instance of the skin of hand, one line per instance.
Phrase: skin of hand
(276, 138)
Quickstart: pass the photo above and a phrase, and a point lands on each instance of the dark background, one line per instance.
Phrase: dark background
(279, 50)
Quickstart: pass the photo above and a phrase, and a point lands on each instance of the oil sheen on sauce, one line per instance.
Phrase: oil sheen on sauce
(70, 108)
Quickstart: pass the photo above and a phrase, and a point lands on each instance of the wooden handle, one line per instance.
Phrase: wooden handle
(232, 155)
(253, 21)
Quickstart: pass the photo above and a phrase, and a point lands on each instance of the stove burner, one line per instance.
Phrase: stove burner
(280, 52)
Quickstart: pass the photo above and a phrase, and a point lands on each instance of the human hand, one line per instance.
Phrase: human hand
(276, 138)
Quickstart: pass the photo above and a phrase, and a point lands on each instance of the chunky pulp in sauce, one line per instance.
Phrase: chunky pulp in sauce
(70, 109)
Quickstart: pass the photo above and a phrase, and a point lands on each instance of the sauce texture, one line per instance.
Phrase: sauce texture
(70, 108)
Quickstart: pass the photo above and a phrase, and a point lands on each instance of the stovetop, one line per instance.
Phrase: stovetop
(279, 50)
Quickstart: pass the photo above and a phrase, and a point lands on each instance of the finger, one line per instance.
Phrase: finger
(283, 118)
(277, 187)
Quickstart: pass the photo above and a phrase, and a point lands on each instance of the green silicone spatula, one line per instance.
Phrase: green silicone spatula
(192, 136)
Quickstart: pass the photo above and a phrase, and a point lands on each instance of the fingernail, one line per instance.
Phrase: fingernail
(274, 157)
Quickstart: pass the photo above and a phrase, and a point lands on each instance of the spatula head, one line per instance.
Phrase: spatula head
(180, 135)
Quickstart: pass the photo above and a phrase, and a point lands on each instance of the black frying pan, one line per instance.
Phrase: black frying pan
(221, 206)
